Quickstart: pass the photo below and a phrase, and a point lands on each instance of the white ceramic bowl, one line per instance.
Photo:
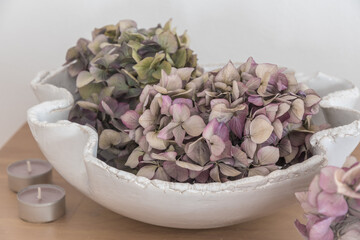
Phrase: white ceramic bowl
(71, 148)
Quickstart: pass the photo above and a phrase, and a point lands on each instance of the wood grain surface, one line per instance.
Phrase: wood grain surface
(85, 219)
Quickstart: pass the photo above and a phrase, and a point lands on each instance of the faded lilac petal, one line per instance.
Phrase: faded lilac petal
(222, 131)
(314, 190)
(221, 112)
(283, 108)
(130, 119)
(150, 128)
(297, 139)
(210, 129)
(256, 100)
(260, 111)
(352, 232)
(268, 155)
(350, 161)
(147, 171)
(170, 82)
(187, 102)
(164, 121)
(249, 147)
(302, 197)
(237, 124)
(260, 129)
(118, 108)
(321, 230)
(247, 127)
(228, 170)
(189, 166)
(249, 66)
(285, 147)
(235, 90)
(239, 155)
(352, 175)
(145, 93)
(278, 128)
(179, 135)
(264, 69)
(272, 140)
(155, 104)
(133, 159)
(194, 174)
(104, 107)
(301, 228)
(342, 187)
(194, 125)
(166, 156)
(176, 172)
(146, 119)
(155, 142)
(166, 132)
(253, 83)
(311, 220)
(180, 112)
(183, 73)
(109, 138)
(292, 155)
(311, 100)
(217, 145)
(354, 207)
(198, 152)
(125, 24)
(219, 101)
(271, 110)
(165, 106)
(332, 205)
(327, 179)
(174, 83)
(228, 74)
(214, 174)
(203, 176)
(224, 155)
(258, 171)
(160, 174)
(143, 144)
(297, 109)
(281, 82)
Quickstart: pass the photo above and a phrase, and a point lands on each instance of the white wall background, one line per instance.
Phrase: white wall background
(305, 35)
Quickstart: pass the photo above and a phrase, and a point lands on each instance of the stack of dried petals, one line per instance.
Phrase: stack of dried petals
(224, 125)
(332, 205)
(110, 73)
(159, 116)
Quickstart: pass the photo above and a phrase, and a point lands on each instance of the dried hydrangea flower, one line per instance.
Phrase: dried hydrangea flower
(182, 124)
(112, 69)
(218, 126)
(331, 204)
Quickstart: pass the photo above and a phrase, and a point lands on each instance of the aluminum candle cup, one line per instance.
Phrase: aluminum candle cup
(28, 172)
(41, 203)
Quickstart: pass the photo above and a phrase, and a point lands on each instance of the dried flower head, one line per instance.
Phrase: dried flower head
(332, 204)
(112, 70)
(223, 125)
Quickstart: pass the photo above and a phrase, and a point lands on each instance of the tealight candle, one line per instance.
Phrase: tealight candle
(41, 203)
(28, 172)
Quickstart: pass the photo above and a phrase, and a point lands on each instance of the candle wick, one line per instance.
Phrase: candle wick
(39, 193)
(28, 163)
